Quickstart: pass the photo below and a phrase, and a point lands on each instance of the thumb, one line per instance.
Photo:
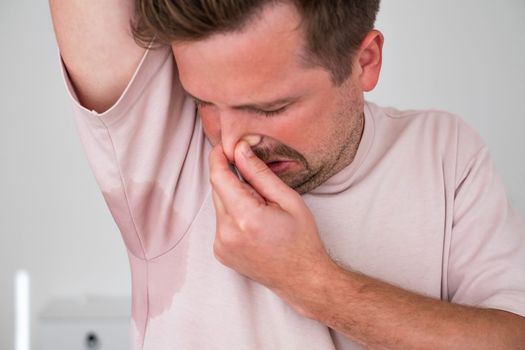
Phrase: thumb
(262, 178)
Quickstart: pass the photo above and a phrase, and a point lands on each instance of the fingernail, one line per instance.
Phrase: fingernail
(252, 140)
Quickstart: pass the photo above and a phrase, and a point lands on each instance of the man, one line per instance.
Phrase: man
(353, 226)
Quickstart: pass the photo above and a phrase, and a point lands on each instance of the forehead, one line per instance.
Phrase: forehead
(265, 56)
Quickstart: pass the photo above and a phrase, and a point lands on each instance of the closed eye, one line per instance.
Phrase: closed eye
(267, 113)
(271, 113)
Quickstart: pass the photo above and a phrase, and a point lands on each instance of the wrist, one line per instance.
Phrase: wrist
(313, 293)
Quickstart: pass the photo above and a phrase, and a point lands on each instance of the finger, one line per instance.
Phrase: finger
(262, 178)
(219, 206)
(254, 193)
(235, 196)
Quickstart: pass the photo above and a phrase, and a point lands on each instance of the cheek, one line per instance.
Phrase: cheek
(211, 127)
(304, 129)
(290, 134)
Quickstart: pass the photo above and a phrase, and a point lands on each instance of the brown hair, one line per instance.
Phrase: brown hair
(333, 28)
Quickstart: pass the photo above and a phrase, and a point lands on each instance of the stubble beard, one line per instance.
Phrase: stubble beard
(314, 172)
(343, 154)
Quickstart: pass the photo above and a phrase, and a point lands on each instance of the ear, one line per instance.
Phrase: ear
(369, 59)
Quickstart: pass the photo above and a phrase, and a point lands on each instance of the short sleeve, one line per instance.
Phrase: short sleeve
(487, 254)
(149, 156)
(145, 71)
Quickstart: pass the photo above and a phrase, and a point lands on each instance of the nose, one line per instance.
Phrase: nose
(235, 127)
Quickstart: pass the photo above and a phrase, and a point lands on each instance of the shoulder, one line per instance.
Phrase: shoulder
(439, 127)
(439, 135)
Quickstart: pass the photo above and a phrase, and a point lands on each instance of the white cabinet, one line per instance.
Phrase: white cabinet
(86, 324)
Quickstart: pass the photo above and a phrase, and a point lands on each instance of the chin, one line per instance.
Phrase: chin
(305, 188)
(301, 184)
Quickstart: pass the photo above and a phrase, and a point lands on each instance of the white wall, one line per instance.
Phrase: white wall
(463, 56)
(53, 220)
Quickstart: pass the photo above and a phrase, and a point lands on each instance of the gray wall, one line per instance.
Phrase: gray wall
(464, 56)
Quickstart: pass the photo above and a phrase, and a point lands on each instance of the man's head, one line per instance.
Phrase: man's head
(292, 72)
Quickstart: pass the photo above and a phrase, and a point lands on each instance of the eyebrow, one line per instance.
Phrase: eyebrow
(267, 105)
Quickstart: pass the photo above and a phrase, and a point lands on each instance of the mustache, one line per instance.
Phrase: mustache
(269, 153)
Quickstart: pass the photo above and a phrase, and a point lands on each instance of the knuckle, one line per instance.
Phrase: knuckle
(227, 240)
(249, 224)
(244, 225)
(214, 179)
(262, 169)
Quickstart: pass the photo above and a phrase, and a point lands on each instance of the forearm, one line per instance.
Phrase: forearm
(97, 48)
(379, 315)
(272, 238)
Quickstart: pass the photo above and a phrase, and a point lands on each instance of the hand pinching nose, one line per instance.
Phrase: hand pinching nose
(252, 140)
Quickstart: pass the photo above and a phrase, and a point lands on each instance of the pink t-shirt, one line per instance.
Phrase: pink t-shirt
(420, 207)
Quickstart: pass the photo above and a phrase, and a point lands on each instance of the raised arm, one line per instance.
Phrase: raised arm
(97, 47)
